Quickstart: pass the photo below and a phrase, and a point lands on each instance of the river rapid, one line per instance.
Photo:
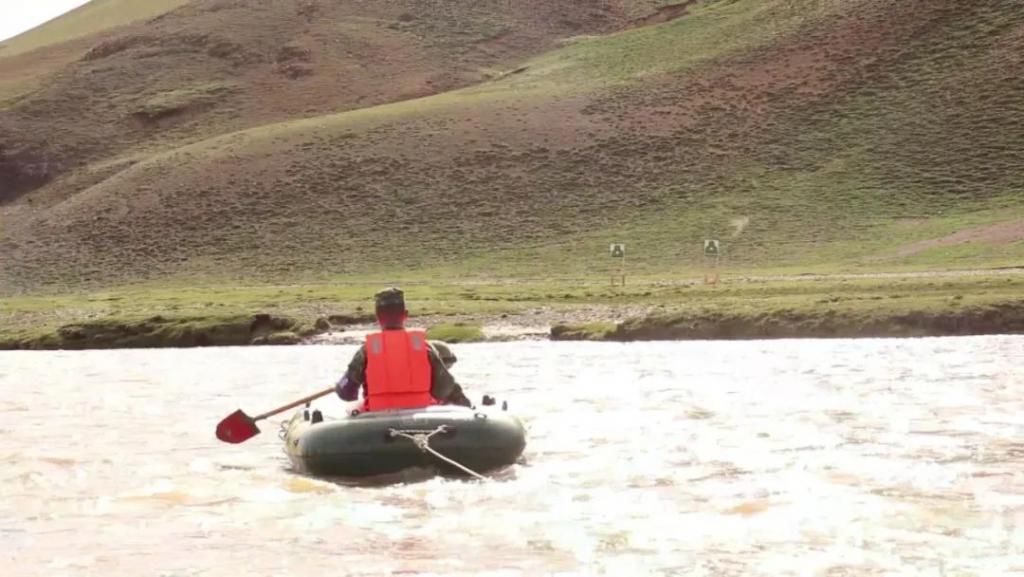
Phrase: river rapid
(807, 458)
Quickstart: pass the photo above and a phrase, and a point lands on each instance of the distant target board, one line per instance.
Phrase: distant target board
(618, 250)
(712, 254)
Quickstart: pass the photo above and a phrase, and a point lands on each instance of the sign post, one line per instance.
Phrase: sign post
(618, 251)
(712, 254)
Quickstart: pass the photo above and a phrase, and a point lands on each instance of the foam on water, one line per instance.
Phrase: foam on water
(818, 458)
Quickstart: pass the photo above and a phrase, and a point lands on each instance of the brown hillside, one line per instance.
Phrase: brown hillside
(821, 120)
(216, 66)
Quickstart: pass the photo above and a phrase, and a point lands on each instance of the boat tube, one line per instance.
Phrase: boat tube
(454, 440)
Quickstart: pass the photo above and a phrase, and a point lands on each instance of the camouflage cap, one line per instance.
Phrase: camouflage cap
(389, 297)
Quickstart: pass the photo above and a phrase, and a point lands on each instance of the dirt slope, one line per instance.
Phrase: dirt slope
(215, 66)
(819, 122)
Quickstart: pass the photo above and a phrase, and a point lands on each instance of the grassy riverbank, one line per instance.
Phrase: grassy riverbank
(648, 308)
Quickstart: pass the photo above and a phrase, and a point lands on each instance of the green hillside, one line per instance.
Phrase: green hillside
(807, 135)
(90, 19)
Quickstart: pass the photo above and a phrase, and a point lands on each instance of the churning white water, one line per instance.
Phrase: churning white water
(818, 458)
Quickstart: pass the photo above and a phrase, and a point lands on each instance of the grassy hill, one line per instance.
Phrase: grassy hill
(304, 140)
(30, 58)
(91, 19)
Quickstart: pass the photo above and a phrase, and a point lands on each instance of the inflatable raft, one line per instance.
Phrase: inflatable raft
(450, 439)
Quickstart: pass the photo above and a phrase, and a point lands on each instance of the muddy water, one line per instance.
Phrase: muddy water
(817, 458)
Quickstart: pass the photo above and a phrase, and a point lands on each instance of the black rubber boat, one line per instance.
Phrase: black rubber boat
(387, 442)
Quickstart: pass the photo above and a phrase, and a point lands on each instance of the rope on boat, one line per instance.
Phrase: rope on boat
(422, 440)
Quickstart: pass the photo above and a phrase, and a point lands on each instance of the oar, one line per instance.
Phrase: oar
(239, 427)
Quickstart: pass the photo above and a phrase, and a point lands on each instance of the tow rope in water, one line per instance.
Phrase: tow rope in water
(422, 440)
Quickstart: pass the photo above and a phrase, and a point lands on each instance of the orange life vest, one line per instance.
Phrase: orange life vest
(398, 373)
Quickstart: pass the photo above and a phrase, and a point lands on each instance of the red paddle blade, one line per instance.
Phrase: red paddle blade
(237, 428)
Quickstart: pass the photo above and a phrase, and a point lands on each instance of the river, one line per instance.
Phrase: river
(807, 458)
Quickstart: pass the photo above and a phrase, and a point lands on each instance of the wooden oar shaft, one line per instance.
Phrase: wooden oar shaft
(293, 404)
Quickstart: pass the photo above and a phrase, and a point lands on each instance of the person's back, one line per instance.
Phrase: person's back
(398, 368)
(398, 371)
